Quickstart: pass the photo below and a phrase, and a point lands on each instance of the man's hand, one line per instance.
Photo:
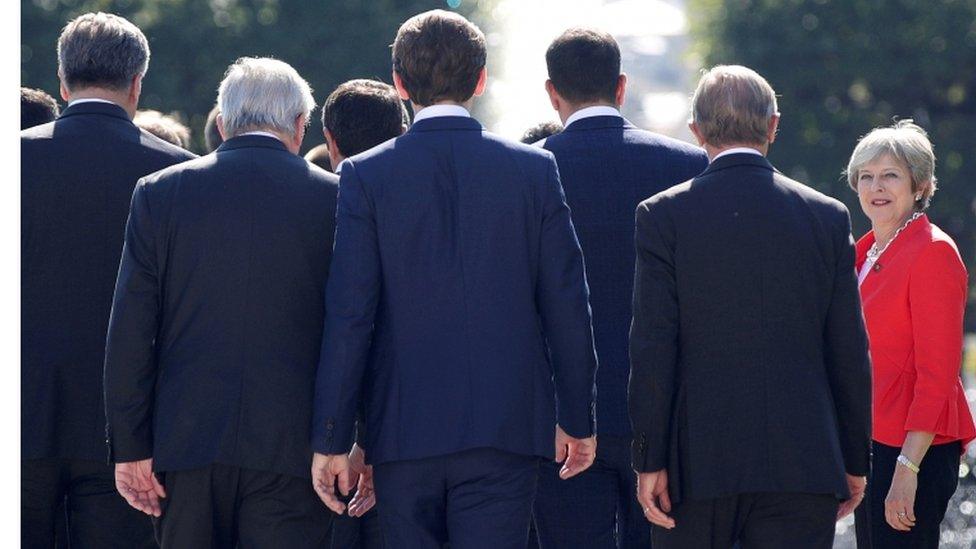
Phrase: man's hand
(365, 498)
(138, 485)
(326, 470)
(856, 486)
(652, 493)
(576, 454)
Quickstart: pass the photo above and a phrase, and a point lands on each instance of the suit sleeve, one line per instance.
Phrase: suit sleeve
(562, 298)
(130, 364)
(937, 297)
(653, 339)
(846, 353)
(351, 297)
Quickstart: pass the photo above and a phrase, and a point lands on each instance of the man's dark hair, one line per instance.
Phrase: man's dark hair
(541, 130)
(439, 55)
(210, 133)
(584, 65)
(36, 108)
(319, 155)
(361, 114)
(101, 50)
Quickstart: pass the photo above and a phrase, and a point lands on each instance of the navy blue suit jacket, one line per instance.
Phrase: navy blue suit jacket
(457, 305)
(77, 176)
(217, 321)
(607, 166)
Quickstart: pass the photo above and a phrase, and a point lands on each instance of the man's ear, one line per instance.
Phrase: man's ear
(772, 127)
(220, 127)
(698, 134)
(135, 90)
(479, 88)
(299, 131)
(621, 90)
(65, 94)
(398, 84)
(555, 99)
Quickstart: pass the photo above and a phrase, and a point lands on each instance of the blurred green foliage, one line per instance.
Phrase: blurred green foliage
(193, 41)
(842, 67)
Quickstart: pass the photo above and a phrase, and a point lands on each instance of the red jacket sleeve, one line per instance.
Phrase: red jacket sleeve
(937, 297)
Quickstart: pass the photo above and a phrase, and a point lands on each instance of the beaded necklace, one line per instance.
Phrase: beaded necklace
(874, 253)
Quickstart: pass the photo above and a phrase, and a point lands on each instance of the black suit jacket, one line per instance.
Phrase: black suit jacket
(217, 321)
(77, 176)
(607, 166)
(749, 362)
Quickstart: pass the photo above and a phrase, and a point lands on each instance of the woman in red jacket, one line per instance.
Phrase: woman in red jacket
(913, 289)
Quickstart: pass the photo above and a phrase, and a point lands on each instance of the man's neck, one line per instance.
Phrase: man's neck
(466, 104)
(119, 98)
(713, 151)
(566, 110)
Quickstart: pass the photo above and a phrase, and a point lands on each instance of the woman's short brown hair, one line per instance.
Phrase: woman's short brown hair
(439, 56)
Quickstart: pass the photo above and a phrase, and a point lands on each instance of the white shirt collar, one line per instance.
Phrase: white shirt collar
(266, 134)
(599, 110)
(91, 100)
(338, 169)
(440, 110)
(737, 150)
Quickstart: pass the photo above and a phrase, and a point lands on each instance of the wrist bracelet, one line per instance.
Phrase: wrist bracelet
(908, 463)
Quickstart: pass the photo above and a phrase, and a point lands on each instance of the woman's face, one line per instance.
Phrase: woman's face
(884, 188)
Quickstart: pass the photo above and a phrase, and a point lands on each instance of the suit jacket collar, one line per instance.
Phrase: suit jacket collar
(915, 228)
(250, 141)
(440, 123)
(96, 107)
(738, 159)
(599, 123)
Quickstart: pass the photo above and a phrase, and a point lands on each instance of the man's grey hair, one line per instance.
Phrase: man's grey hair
(733, 105)
(905, 141)
(259, 93)
(101, 50)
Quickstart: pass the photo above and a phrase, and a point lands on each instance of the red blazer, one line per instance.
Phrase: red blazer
(913, 299)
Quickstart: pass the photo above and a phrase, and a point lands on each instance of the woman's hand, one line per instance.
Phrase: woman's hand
(900, 503)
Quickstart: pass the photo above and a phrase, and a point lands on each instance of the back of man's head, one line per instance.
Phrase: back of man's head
(541, 131)
(259, 93)
(439, 56)
(101, 50)
(733, 105)
(210, 132)
(166, 127)
(36, 108)
(584, 66)
(361, 114)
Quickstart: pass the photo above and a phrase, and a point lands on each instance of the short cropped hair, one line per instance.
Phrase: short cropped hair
(166, 127)
(439, 55)
(540, 131)
(584, 65)
(36, 108)
(101, 50)
(319, 155)
(260, 93)
(733, 104)
(361, 114)
(211, 135)
(904, 141)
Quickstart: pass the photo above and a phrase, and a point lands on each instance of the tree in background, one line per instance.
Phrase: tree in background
(193, 42)
(843, 67)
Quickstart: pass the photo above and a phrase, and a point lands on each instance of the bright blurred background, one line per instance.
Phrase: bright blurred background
(840, 67)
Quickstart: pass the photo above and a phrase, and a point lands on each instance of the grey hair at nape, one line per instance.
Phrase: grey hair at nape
(260, 93)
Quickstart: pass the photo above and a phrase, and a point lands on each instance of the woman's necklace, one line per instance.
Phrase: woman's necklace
(874, 252)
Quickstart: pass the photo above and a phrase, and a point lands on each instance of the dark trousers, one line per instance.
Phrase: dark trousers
(363, 532)
(221, 506)
(937, 481)
(754, 521)
(83, 492)
(598, 505)
(479, 498)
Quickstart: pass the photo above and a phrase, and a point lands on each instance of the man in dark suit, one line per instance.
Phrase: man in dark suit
(750, 389)
(77, 177)
(457, 308)
(357, 116)
(607, 166)
(36, 108)
(216, 327)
